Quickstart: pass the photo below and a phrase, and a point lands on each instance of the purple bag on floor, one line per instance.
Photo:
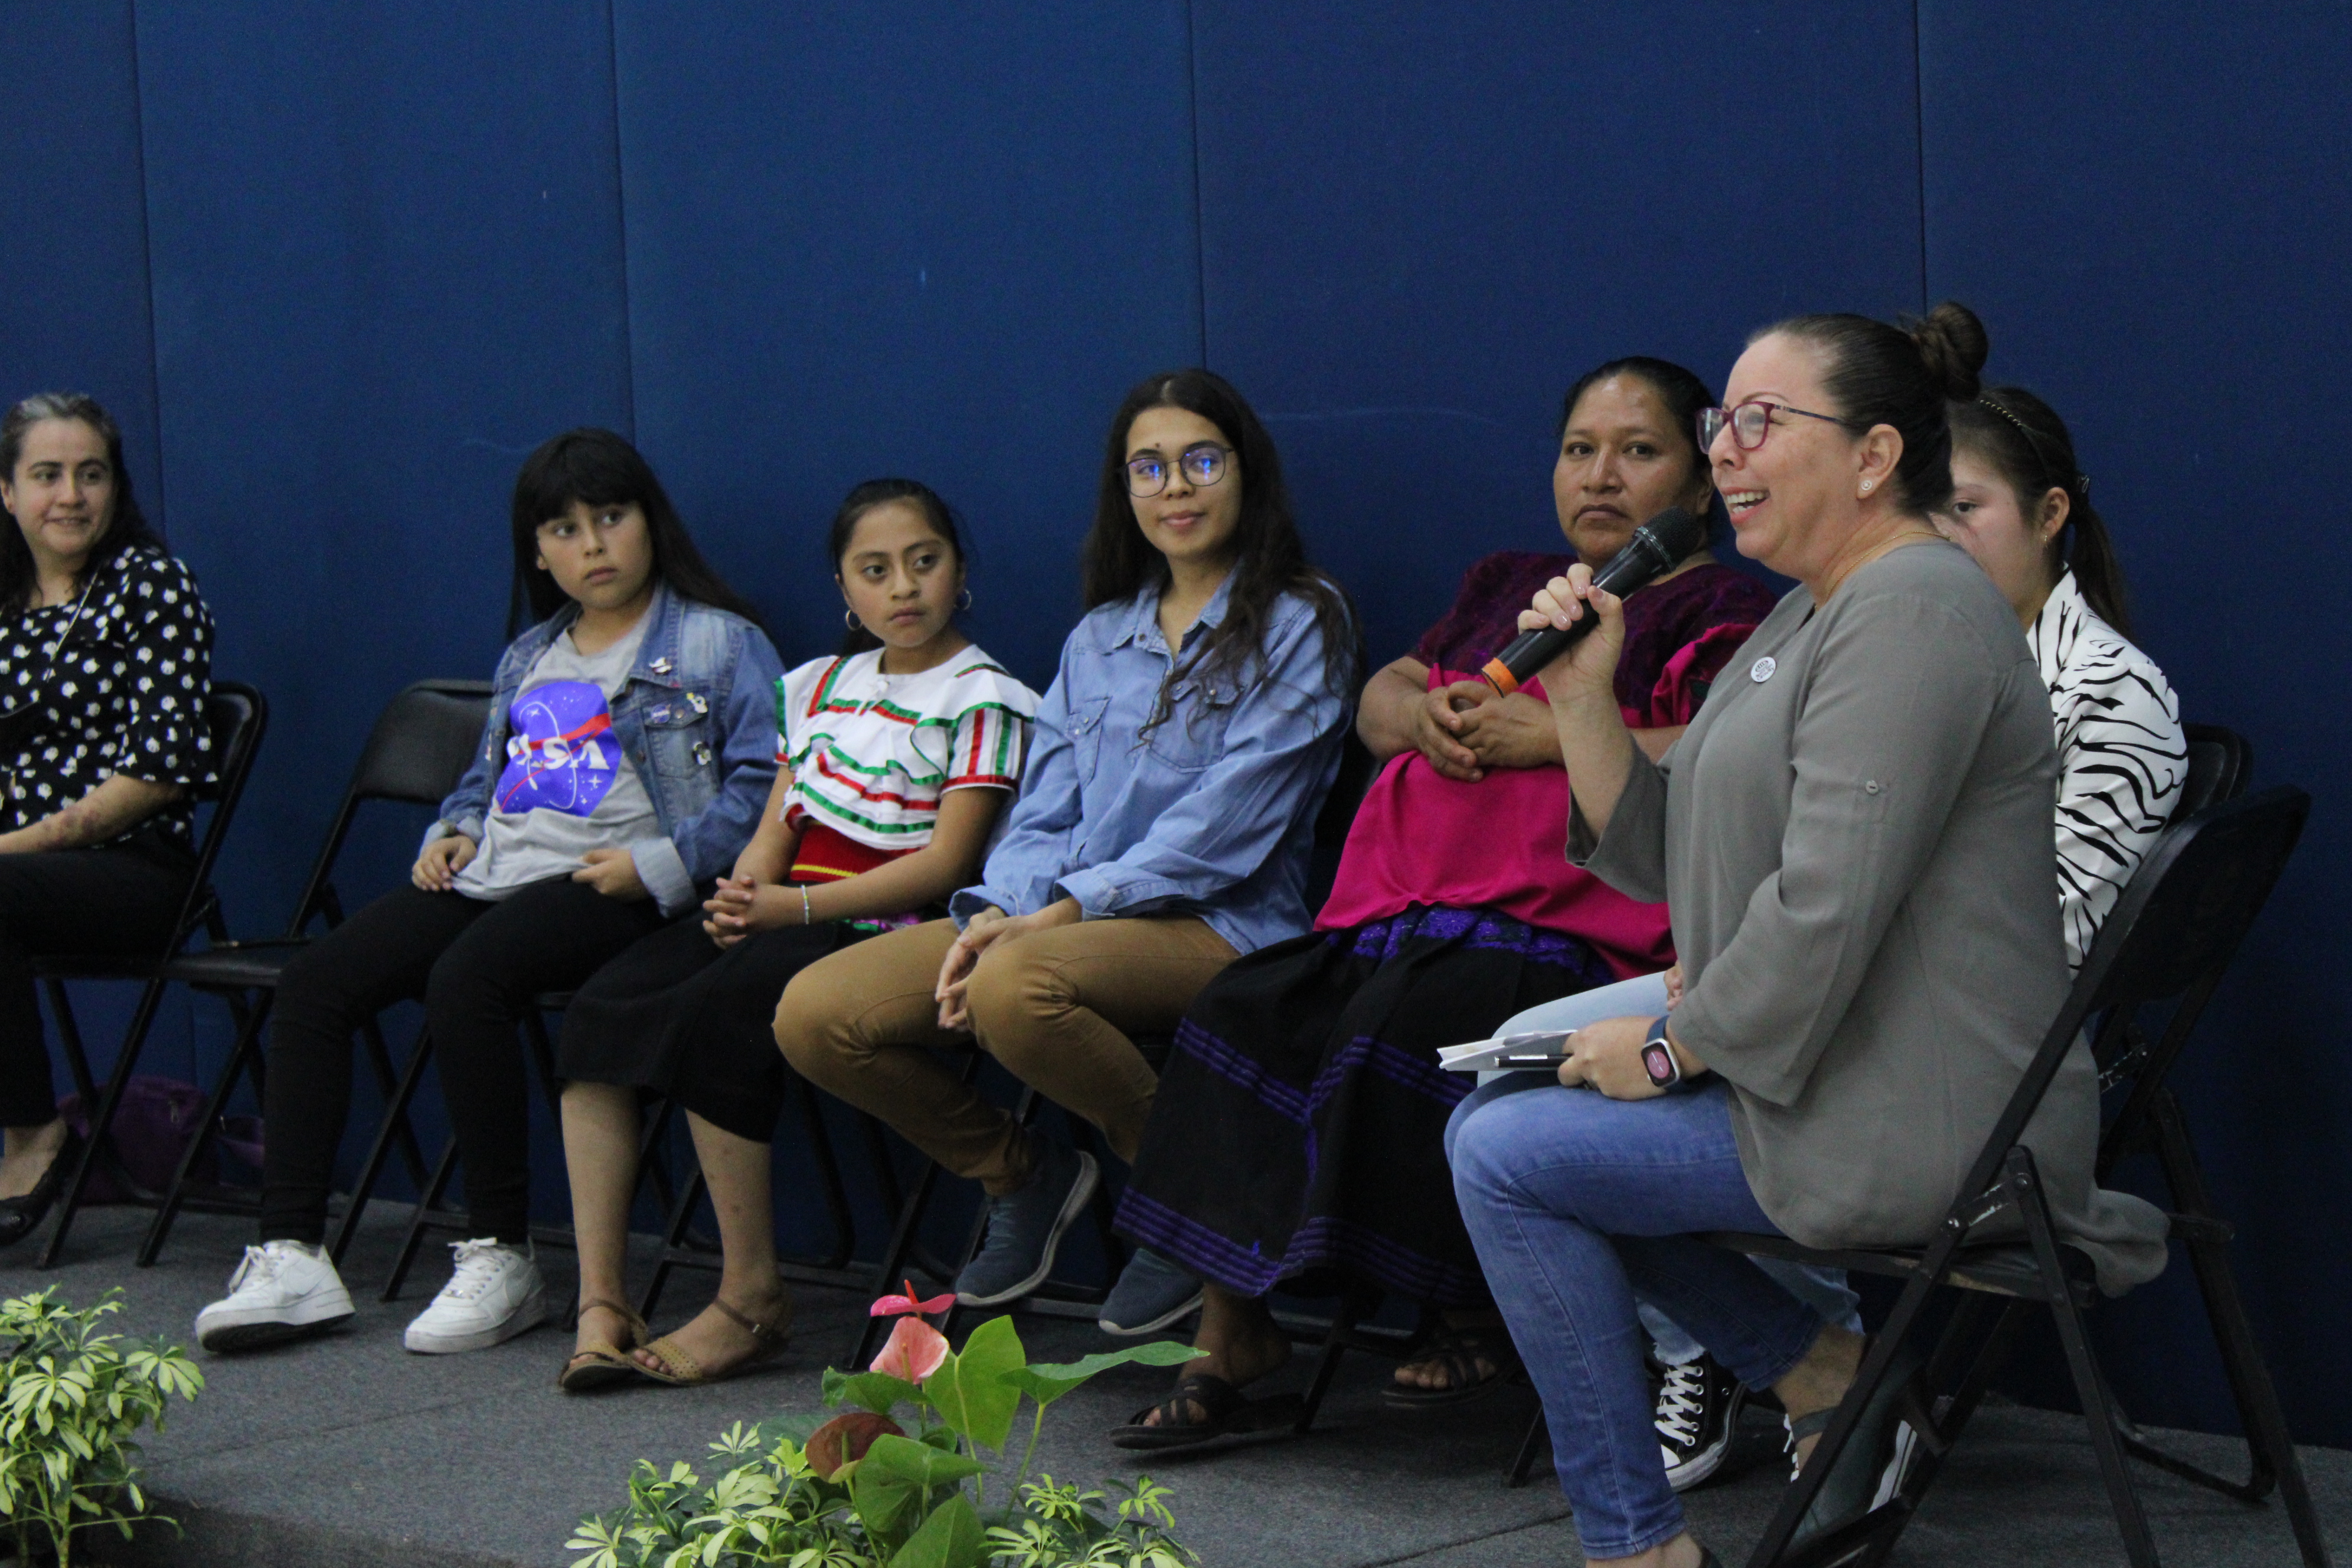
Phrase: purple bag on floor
(153, 1128)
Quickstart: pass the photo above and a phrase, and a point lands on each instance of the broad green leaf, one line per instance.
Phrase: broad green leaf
(1048, 1380)
(969, 1391)
(885, 1501)
(875, 1391)
(950, 1537)
(918, 1462)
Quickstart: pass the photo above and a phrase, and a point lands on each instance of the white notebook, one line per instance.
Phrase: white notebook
(1542, 1048)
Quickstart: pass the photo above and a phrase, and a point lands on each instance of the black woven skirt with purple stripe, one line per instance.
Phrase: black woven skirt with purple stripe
(1299, 1133)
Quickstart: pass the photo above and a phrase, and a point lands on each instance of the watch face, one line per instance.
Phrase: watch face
(1660, 1063)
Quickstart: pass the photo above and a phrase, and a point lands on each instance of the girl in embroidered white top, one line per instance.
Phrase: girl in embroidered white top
(2021, 506)
(872, 754)
(896, 760)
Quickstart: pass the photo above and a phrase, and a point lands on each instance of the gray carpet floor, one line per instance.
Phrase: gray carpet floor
(346, 1452)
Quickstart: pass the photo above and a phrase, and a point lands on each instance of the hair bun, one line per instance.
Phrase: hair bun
(1953, 343)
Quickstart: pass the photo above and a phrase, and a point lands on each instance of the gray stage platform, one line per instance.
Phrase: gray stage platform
(348, 1453)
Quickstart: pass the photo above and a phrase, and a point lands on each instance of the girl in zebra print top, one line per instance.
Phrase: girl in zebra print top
(2021, 506)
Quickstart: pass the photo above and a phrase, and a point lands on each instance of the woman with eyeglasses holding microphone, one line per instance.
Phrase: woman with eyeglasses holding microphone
(1853, 839)
(1163, 829)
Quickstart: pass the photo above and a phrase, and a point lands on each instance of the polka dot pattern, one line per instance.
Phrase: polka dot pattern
(125, 696)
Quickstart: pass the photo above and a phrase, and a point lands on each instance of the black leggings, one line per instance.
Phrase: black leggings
(477, 966)
(119, 900)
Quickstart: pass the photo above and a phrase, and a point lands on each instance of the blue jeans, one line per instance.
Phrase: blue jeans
(1822, 1289)
(1575, 1202)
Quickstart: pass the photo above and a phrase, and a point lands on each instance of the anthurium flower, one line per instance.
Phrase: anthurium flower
(914, 1351)
(846, 1439)
(890, 1306)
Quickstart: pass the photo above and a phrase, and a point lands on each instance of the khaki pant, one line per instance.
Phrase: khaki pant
(1055, 1006)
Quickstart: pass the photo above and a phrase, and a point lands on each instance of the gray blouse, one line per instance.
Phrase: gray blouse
(1854, 837)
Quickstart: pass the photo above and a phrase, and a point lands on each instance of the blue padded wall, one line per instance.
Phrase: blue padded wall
(339, 265)
(387, 258)
(1418, 231)
(387, 263)
(73, 252)
(938, 242)
(2148, 207)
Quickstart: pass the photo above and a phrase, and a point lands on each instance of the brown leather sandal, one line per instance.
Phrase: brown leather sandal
(680, 1369)
(600, 1365)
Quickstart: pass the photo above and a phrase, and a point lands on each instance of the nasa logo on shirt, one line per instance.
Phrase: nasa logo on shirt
(561, 750)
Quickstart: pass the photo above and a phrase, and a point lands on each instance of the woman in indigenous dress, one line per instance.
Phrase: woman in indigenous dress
(1298, 1128)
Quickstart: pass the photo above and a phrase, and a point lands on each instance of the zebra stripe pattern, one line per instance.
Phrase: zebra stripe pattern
(2122, 757)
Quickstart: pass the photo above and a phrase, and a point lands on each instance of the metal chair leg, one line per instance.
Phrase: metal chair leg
(2270, 1449)
(395, 1126)
(241, 1054)
(1354, 1302)
(2089, 1386)
(1531, 1447)
(102, 1122)
(427, 1204)
(387, 1083)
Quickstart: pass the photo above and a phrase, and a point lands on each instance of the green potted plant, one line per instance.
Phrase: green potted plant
(916, 1471)
(72, 1399)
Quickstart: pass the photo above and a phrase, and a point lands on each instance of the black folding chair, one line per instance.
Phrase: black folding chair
(2171, 940)
(238, 716)
(419, 747)
(2221, 763)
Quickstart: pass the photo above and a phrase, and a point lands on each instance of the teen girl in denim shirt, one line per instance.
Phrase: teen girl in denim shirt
(1163, 829)
(629, 748)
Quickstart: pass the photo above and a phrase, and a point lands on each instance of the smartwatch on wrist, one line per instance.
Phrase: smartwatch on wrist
(1658, 1057)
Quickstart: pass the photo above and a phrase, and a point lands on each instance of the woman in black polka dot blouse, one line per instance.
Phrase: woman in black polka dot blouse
(105, 662)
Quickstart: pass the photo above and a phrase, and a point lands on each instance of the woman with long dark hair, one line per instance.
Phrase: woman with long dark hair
(1164, 826)
(105, 663)
(630, 744)
(2021, 505)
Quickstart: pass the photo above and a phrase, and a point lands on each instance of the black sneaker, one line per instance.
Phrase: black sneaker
(1699, 1411)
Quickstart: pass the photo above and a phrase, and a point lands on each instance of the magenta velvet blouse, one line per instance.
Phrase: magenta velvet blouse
(1500, 843)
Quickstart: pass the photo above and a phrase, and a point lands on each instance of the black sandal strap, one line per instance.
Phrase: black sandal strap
(1217, 1398)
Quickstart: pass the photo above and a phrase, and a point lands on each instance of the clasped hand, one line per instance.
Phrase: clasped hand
(1466, 728)
(744, 904)
(982, 932)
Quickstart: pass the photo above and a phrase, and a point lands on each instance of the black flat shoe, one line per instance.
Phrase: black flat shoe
(19, 1217)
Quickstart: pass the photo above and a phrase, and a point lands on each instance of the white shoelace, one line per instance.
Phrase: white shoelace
(479, 1263)
(1682, 1402)
(256, 1270)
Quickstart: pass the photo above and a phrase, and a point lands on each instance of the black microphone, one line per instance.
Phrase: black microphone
(1657, 547)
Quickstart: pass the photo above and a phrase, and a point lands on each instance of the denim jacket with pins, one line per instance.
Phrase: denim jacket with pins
(697, 719)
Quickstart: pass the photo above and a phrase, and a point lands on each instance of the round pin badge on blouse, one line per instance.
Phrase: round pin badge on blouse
(1761, 671)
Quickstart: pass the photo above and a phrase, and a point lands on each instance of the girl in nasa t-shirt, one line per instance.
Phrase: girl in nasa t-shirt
(629, 742)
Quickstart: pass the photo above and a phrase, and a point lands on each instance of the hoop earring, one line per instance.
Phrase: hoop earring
(849, 619)
(963, 600)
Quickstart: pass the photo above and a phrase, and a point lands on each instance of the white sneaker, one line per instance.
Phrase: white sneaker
(282, 1291)
(495, 1294)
